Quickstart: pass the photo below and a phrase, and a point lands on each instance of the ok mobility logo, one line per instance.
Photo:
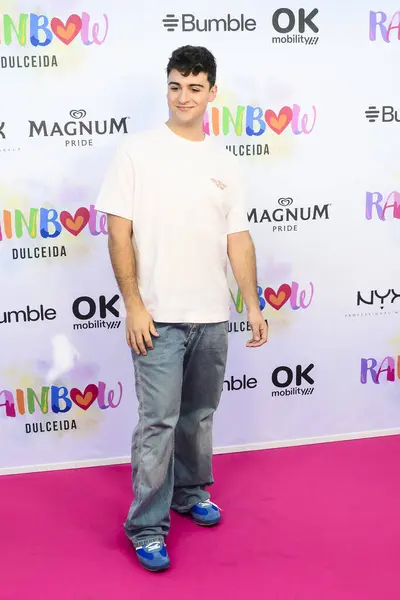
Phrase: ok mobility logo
(283, 377)
(292, 26)
(92, 313)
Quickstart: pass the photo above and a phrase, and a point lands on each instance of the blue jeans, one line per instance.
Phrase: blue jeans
(178, 386)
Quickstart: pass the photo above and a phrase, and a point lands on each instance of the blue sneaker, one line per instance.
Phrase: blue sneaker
(205, 513)
(153, 556)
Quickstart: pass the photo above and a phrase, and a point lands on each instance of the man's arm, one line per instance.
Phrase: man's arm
(139, 323)
(243, 261)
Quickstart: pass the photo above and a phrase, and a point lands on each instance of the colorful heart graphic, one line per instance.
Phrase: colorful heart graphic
(277, 300)
(87, 398)
(280, 122)
(75, 224)
(68, 32)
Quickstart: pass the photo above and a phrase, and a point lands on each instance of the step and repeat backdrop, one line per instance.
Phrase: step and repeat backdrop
(309, 103)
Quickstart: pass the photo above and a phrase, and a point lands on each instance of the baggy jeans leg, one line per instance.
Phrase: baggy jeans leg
(204, 372)
(158, 378)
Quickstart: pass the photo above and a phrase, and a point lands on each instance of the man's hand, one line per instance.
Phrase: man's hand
(259, 328)
(139, 329)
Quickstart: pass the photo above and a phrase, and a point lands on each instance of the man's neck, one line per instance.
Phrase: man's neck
(193, 132)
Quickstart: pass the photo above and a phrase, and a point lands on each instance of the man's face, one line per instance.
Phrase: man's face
(188, 97)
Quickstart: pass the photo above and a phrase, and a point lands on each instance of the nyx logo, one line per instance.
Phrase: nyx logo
(374, 295)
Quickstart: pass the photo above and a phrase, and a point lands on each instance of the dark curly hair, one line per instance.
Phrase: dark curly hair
(192, 60)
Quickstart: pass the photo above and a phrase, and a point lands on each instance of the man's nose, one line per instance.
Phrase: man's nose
(183, 96)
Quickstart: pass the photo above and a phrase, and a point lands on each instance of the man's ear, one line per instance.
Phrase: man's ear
(213, 93)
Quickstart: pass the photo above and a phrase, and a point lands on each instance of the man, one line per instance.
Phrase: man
(176, 212)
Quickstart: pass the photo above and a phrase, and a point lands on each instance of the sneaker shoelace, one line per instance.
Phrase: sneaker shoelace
(207, 503)
(152, 547)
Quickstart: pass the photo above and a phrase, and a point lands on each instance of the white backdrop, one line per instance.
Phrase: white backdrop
(330, 367)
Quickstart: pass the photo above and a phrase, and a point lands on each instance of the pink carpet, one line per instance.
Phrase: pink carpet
(308, 523)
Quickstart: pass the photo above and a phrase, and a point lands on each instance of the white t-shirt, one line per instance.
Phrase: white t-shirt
(183, 199)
